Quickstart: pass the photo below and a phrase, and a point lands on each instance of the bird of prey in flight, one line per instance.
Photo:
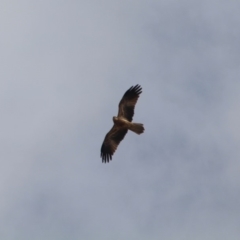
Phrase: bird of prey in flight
(122, 123)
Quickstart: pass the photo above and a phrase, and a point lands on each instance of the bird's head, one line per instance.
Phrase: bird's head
(115, 118)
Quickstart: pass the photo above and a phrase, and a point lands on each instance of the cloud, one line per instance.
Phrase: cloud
(65, 67)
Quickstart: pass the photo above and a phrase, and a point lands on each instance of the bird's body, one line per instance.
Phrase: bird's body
(122, 123)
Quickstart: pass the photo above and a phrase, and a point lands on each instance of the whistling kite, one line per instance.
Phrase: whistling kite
(122, 123)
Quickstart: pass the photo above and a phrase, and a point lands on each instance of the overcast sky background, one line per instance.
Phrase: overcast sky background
(64, 68)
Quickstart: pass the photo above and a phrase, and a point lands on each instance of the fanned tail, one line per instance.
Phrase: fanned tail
(137, 128)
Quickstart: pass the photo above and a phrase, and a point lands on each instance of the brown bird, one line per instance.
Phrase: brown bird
(122, 123)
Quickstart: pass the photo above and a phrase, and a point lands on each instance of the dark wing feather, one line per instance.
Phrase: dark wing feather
(128, 102)
(111, 141)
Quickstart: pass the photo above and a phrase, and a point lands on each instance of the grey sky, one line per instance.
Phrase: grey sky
(64, 67)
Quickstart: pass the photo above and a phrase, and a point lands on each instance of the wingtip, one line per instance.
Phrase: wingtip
(106, 158)
(137, 88)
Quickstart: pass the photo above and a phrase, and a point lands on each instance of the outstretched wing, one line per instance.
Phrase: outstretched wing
(128, 102)
(111, 141)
